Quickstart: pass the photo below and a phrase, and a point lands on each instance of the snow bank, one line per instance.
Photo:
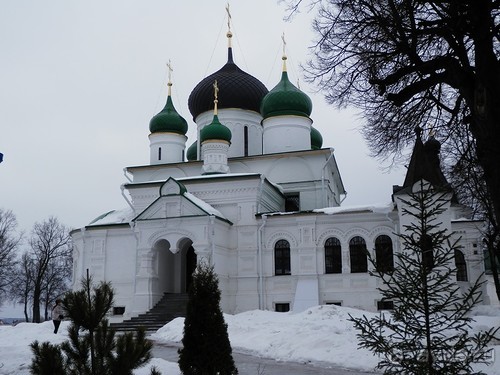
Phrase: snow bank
(319, 334)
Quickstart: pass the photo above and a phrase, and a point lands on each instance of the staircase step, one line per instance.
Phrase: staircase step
(170, 306)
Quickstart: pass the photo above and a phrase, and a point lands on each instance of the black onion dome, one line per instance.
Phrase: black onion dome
(237, 89)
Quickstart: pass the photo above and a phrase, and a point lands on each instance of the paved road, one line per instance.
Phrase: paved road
(250, 365)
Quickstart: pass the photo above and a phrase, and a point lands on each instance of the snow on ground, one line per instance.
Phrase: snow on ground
(320, 334)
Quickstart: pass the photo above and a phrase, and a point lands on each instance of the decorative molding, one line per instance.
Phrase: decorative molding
(388, 231)
(357, 232)
(320, 242)
(281, 235)
(165, 233)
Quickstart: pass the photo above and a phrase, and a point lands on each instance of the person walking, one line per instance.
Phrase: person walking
(57, 315)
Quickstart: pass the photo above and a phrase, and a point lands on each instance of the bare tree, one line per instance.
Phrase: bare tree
(432, 63)
(49, 245)
(467, 178)
(9, 242)
(56, 281)
(21, 289)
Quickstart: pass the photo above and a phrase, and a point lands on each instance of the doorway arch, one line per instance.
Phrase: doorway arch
(191, 262)
(175, 266)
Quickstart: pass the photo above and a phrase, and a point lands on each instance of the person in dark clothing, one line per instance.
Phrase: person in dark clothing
(57, 315)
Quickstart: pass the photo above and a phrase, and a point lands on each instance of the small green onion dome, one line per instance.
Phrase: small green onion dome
(215, 131)
(285, 99)
(192, 152)
(168, 120)
(316, 139)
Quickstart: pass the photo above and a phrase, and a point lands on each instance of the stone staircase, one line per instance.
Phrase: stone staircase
(171, 306)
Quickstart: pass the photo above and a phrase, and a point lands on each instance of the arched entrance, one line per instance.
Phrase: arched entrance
(175, 271)
(191, 261)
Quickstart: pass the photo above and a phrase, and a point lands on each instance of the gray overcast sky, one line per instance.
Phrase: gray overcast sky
(80, 81)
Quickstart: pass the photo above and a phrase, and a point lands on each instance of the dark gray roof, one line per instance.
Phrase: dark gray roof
(237, 89)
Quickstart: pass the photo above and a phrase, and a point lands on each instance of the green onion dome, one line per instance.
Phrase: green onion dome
(192, 152)
(168, 120)
(215, 131)
(285, 99)
(316, 139)
(238, 89)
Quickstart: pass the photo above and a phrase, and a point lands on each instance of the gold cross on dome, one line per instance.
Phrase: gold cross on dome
(228, 17)
(170, 70)
(216, 90)
(284, 42)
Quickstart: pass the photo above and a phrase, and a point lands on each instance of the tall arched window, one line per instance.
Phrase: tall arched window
(383, 254)
(333, 256)
(282, 258)
(426, 247)
(461, 266)
(245, 140)
(357, 252)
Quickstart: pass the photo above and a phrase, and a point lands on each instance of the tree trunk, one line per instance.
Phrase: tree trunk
(485, 111)
(26, 318)
(494, 257)
(36, 304)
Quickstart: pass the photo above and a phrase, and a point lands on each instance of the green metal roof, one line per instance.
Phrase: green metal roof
(168, 120)
(215, 131)
(286, 99)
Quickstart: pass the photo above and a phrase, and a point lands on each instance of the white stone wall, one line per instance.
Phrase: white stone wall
(172, 147)
(236, 120)
(286, 134)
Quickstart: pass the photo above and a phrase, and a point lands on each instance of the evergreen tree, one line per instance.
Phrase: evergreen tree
(92, 348)
(428, 330)
(206, 347)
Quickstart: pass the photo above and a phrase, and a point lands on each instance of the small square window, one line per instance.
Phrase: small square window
(118, 310)
(281, 307)
(292, 202)
(385, 305)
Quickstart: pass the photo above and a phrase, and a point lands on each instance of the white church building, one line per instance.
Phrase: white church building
(257, 197)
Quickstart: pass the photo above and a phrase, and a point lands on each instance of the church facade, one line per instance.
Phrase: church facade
(259, 198)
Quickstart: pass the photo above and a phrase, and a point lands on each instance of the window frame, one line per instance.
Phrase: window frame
(292, 202)
(384, 250)
(358, 255)
(282, 258)
(282, 307)
(333, 256)
(462, 274)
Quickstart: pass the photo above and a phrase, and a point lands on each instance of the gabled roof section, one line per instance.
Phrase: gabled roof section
(424, 165)
(172, 187)
(176, 202)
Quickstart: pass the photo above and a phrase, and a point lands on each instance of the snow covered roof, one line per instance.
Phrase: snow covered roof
(380, 208)
(122, 216)
(204, 206)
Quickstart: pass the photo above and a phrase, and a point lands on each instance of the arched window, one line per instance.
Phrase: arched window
(427, 253)
(383, 254)
(159, 153)
(282, 258)
(333, 256)
(461, 266)
(357, 252)
(245, 140)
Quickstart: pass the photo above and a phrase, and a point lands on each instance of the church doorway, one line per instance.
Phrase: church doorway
(174, 270)
(191, 261)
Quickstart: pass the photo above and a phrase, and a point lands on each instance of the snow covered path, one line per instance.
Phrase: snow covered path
(251, 365)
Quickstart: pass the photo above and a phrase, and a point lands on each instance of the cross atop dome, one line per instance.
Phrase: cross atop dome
(284, 51)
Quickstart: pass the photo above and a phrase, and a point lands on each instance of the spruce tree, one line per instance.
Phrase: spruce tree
(428, 331)
(92, 348)
(206, 348)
